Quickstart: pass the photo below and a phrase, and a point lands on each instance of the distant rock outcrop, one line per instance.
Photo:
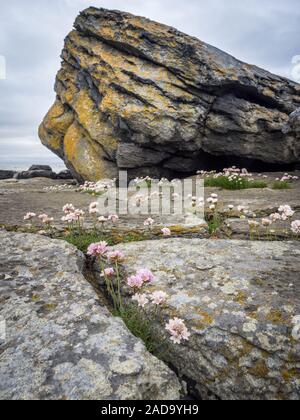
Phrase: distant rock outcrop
(4, 174)
(139, 95)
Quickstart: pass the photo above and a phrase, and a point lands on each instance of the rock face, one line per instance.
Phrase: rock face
(37, 171)
(239, 300)
(139, 95)
(64, 175)
(61, 343)
(7, 174)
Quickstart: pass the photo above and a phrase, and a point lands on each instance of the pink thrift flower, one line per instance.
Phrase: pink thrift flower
(178, 330)
(149, 222)
(166, 232)
(68, 208)
(159, 297)
(29, 216)
(266, 222)
(142, 300)
(275, 217)
(113, 218)
(79, 214)
(93, 209)
(97, 249)
(135, 282)
(295, 226)
(43, 216)
(108, 272)
(146, 275)
(116, 256)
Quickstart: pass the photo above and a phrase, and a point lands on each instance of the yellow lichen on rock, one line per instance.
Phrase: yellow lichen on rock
(127, 80)
(86, 158)
(54, 127)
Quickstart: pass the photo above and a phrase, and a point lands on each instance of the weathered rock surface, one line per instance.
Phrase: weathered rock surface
(293, 125)
(61, 343)
(6, 174)
(239, 300)
(40, 168)
(133, 93)
(36, 173)
(64, 175)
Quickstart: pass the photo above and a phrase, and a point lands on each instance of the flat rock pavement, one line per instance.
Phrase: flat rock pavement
(57, 340)
(240, 301)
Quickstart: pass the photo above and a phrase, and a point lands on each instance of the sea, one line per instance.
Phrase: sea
(56, 164)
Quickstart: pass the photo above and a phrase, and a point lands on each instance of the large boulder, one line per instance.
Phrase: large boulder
(57, 340)
(136, 94)
(241, 303)
(36, 173)
(4, 174)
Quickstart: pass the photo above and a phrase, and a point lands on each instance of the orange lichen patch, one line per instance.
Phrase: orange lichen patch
(55, 124)
(118, 70)
(241, 298)
(259, 370)
(206, 318)
(289, 375)
(275, 316)
(86, 158)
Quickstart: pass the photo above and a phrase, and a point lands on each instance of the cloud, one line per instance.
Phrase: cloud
(265, 33)
(295, 73)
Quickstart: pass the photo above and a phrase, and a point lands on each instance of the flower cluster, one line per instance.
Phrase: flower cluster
(178, 330)
(97, 188)
(59, 188)
(140, 278)
(97, 249)
(149, 222)
(29, 216)
(176, 327)
(295, 226)
(213, 201)
(287, 178)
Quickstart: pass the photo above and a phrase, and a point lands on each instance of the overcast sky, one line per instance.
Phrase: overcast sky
(262, 32)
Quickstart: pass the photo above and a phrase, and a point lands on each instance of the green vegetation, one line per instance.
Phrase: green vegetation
(82, 240)
(282, 185)
(233, 184)
(140, 326)
(214, 222)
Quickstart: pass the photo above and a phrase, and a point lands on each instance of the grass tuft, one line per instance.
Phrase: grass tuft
(236, 184)
(282, 185)
(214, 222)
(83, 240)
(140, 327)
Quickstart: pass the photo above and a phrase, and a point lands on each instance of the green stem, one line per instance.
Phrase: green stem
(119, 286)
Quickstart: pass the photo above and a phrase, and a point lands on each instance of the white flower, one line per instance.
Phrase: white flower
(149, 222)
(166, 232)
(93, 209)
(159, 297)
(29, 216)
(68, 208)
(266, 222)
(141, 299)
(295, 226)
(253, 224)
(113, 218)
